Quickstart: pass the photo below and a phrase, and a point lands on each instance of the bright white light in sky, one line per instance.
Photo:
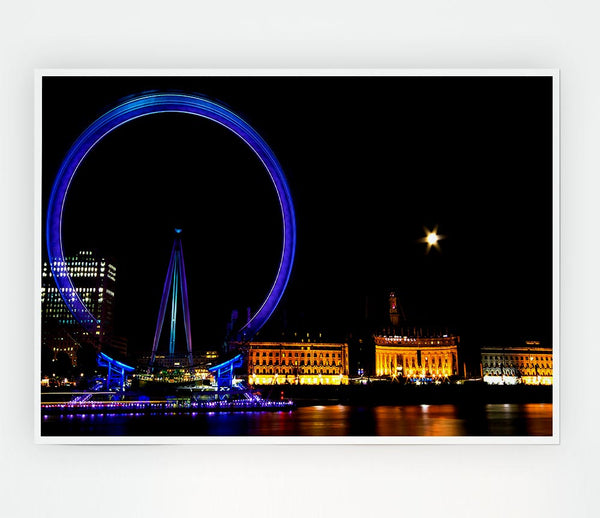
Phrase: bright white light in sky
(432, 238)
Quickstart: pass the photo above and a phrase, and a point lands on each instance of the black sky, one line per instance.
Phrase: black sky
(370, 162)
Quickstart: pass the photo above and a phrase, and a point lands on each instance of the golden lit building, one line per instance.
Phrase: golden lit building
(529, 365)
(297, 363)
(417, 358)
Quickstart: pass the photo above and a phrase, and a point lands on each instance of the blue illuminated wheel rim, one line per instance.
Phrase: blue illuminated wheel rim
(148, 104)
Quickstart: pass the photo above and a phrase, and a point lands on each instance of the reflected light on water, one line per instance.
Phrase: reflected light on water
(419, 420)
(334, 420)
(529, 419)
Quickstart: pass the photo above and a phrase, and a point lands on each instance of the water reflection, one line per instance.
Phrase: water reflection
(526, 419)
(336, 420)
(419, 420)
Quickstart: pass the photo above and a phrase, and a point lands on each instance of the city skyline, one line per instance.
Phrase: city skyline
(371, 162)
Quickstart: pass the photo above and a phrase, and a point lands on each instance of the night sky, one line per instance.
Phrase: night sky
(370, 162)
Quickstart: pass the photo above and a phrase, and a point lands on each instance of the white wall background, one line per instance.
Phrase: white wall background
(53, 481)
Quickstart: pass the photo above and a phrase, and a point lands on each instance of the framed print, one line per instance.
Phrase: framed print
(297, 256)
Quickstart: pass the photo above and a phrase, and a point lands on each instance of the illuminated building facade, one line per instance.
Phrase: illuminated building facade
(94, 279)
(529, 365)
(297, 363)
(176, 367)
(417, 358)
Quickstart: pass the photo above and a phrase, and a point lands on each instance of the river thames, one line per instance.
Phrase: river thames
(446, 420)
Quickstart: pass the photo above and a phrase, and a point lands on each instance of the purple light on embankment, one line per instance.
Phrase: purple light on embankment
(183, 407)
(148, 104)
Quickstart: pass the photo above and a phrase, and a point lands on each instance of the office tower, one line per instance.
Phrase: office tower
(93, 277)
